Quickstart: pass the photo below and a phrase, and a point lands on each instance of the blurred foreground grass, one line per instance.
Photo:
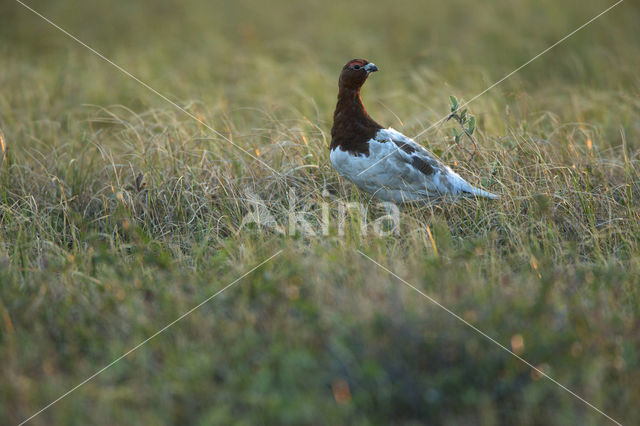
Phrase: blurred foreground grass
(94, 260)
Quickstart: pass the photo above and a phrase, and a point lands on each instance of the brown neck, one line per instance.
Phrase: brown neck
(352, 126)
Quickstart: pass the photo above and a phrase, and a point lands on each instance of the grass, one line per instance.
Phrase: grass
(118, 213)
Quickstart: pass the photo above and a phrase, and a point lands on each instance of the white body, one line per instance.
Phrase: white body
(389, 172)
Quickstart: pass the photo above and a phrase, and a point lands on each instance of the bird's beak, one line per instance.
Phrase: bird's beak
(370, 67)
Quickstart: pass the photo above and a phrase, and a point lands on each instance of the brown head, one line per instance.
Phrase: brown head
(352, 126)
(355, 73)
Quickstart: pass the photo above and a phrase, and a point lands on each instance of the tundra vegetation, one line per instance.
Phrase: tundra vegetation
(119, 213)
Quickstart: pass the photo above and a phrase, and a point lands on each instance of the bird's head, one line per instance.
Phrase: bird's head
(355, 73)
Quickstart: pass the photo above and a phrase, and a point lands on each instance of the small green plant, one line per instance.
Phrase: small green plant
(467, 123)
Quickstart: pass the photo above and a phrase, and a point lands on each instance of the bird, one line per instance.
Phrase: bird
(383, 161)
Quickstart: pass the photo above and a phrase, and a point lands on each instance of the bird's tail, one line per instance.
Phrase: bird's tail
(472, 191)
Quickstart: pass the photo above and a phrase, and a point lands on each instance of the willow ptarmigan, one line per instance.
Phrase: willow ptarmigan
(382, 161)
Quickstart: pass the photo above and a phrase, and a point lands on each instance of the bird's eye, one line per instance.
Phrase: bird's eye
(356, 67)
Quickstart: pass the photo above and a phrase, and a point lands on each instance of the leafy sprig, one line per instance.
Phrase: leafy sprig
(467, 124)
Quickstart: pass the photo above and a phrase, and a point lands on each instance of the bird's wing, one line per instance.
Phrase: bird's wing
(420, 171)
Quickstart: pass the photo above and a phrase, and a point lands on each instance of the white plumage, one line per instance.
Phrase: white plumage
(398, 170)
